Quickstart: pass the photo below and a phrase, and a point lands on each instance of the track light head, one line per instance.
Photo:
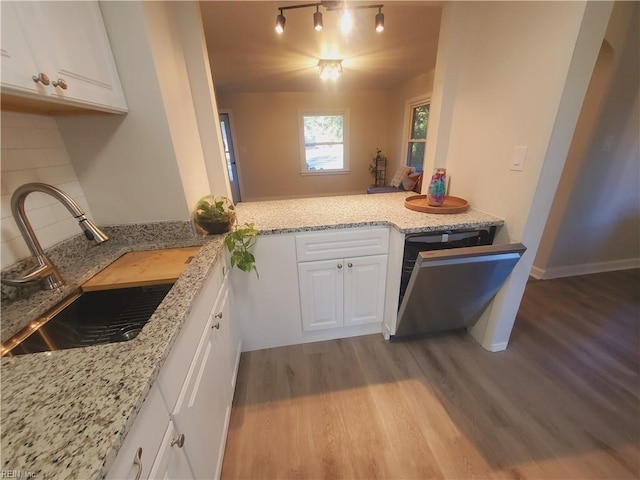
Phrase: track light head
(379, 21)
(280, 21)
(317, 20)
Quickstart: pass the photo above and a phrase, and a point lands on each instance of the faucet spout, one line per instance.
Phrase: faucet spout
(45, 270)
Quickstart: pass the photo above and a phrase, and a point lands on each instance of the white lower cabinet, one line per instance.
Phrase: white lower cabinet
(342, 279)
(342, 292)
(182, 426)
(138, 452)
(171, 461)
(200, 413)
(321, 294)
(364, 286)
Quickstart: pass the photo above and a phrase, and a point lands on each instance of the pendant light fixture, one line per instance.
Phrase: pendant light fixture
(330, 69)
(331, 6)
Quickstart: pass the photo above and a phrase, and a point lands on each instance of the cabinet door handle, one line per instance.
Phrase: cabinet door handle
(350, 264)
(60, 83)
(218, 315)
(41, 78)
(137, 460)
(216, 326)
(178, 441)
(339, 265)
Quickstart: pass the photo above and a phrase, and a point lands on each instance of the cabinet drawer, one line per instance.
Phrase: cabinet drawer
(326, 245)
(146, 433)
(174, 371)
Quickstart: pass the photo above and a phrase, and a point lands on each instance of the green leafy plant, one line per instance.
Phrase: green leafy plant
(240, 242)
(214, 214)
(212, 208)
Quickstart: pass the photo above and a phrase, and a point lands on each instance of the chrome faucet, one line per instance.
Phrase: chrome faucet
(45, 270)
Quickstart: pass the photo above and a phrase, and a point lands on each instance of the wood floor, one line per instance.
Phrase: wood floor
(562, 402)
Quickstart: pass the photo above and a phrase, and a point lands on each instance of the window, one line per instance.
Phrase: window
(417, 138)
(323, 142)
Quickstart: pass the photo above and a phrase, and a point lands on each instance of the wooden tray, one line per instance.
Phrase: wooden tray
(419, 203)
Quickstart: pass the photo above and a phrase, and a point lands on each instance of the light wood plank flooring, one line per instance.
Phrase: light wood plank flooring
(562, 402)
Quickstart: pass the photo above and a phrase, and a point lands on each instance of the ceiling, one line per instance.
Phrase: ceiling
(246, 54)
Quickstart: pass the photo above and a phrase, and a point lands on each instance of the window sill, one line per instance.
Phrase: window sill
(325, 172)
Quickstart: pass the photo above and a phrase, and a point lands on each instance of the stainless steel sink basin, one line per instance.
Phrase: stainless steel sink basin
(89, 318)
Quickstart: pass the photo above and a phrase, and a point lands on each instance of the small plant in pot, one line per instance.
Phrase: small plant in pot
(214, 214)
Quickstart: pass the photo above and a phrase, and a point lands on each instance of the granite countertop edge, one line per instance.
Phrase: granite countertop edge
(102, 386)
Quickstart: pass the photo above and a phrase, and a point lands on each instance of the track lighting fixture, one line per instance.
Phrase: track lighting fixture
(330, 6)
(280, 21)
(317, 19)
(379, 20)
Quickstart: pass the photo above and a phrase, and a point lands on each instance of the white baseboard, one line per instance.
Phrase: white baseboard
(342, 332)
(537, 273)
(584, 269)
(499, 347)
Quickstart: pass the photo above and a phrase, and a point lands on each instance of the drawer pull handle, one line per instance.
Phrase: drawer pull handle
(41, 78)
(350, 264)
(60, 83)
(216, 326)
(339, 265)
(178, 441)
(218, 315)
(137, 460)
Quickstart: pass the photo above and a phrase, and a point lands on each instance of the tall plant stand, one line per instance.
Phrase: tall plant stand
(380, 169)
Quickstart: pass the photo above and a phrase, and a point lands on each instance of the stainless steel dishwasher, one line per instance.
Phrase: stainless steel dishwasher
(449, 278)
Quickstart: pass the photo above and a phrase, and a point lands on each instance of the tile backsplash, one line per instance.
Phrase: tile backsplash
(33, 151)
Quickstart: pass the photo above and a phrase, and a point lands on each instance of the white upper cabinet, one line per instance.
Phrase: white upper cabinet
(18, 64)
(59, 52)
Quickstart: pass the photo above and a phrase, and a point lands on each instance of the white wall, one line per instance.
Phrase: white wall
(150, 164)
(127, 164)
(510, 74)
(165, 38)
(268, 146)
(594, 224)
(33, 151)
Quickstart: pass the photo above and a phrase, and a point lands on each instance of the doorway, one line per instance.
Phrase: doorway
(230, 156)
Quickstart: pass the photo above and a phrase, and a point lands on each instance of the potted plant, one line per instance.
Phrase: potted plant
(214, 214)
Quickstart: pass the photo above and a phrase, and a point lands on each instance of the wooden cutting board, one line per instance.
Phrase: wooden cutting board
(135, 269)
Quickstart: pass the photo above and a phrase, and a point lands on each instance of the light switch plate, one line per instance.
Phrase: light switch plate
(519, 156)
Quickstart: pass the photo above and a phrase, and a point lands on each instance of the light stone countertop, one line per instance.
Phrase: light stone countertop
(319, 213)
(65, 414)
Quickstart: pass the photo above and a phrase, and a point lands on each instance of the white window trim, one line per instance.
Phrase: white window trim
(345, 145)
(408, 111)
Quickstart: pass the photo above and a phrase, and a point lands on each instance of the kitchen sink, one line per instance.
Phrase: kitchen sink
(89, 318)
